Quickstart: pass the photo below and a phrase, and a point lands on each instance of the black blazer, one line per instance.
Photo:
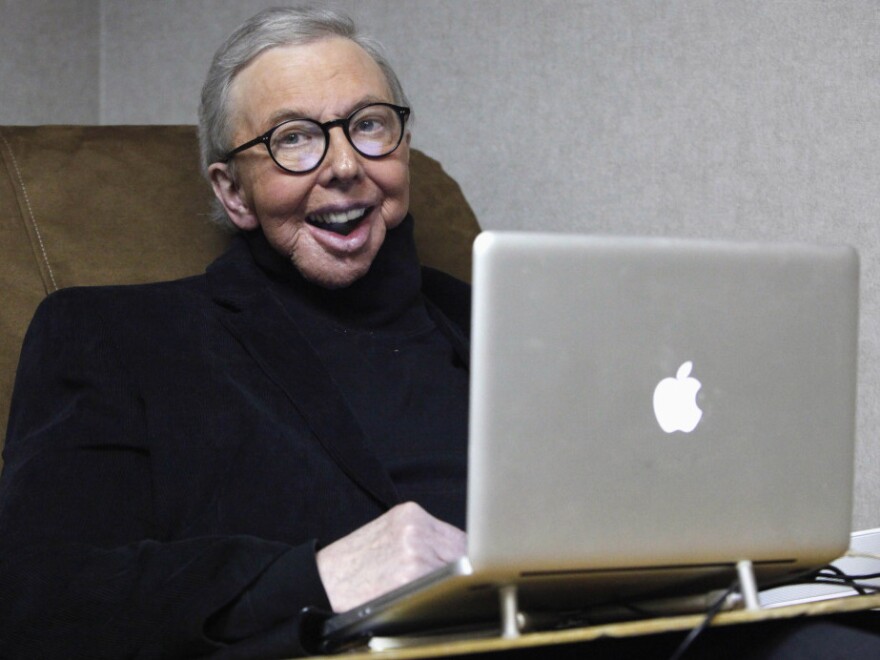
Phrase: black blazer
(175, 452)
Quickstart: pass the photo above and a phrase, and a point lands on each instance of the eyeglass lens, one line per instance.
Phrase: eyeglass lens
(299, 144)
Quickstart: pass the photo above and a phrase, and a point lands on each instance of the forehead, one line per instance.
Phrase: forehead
(323, 79)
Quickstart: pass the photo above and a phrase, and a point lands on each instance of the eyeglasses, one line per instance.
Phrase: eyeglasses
(299, 145)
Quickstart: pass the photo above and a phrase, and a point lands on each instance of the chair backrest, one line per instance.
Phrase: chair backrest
(84, 205)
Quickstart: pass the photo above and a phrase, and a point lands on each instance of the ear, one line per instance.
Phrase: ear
(230, 194)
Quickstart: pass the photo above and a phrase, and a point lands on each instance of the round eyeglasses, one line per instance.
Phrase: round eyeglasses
(299, 145)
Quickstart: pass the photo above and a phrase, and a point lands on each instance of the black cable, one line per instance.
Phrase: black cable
(832, 575)
(711, 613)
(862, 576)
(828, 575)
(837, 577)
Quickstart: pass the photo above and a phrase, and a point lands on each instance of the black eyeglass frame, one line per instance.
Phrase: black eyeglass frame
(265, 138)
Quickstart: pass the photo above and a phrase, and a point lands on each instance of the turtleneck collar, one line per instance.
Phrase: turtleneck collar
(382, 297)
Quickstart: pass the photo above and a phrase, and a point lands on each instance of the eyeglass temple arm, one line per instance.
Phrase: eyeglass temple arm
(247, 145)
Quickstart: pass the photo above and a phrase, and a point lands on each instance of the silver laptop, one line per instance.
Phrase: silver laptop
(645, 413)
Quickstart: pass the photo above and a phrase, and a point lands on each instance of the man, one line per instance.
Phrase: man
(191, 465)
(308, 218)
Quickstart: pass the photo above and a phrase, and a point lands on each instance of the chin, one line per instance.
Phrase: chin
(331, 271)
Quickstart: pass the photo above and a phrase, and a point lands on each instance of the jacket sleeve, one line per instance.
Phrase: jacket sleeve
(84, 569)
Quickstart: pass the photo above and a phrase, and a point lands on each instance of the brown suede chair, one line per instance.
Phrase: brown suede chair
(83, 205)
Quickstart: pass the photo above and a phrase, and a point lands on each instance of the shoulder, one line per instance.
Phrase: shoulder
(95, 315)
(161, 299)
(122, 299)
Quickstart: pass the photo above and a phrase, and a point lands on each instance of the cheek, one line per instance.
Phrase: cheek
(393, 180)
(278, 196)
(272, 193)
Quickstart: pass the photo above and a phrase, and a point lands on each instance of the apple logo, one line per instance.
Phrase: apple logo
(675, 401)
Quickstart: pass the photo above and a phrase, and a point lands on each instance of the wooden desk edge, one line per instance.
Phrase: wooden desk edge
(619, 630)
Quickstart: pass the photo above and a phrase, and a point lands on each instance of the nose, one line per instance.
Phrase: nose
(342, 162)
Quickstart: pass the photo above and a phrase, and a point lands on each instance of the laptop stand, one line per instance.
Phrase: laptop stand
(512, 619)
(748, 586)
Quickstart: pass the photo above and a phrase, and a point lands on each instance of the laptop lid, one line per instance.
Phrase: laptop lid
(644, 402)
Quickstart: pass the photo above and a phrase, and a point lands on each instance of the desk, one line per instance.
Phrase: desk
(631, 629)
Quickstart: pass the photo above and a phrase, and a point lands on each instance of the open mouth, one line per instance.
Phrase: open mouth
(340, 222)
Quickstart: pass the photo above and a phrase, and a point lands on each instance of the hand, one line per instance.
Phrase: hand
(397, 547)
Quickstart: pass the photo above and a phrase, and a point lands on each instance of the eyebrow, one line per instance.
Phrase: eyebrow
(290, 113)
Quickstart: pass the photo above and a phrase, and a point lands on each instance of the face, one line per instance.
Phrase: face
(302, 214)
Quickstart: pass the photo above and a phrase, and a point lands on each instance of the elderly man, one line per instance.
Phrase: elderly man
(190, 465)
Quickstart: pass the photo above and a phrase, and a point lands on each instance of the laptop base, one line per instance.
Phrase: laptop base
(513, 604)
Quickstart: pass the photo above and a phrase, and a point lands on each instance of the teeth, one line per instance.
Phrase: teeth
(337, 218)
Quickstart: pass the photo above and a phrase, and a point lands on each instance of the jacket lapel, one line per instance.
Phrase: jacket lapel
(251, 313)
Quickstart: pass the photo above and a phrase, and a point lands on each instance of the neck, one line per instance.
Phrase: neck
(382, 296)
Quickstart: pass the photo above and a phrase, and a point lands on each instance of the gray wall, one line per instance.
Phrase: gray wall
(710, 118)
(49, 53)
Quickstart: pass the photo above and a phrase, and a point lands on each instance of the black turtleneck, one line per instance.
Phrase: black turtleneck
(398, 372)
